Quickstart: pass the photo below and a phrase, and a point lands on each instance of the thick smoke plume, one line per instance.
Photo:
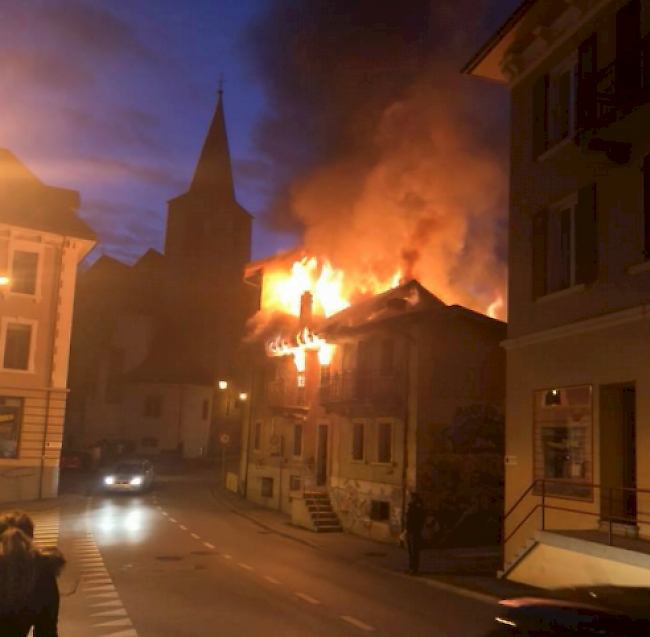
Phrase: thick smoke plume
(388, 158)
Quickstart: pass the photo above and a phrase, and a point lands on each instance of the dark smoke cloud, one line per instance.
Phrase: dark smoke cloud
(383, 153)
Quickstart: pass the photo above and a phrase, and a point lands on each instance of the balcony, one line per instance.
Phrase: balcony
(363, 392)
(609, 116)
(283, 394)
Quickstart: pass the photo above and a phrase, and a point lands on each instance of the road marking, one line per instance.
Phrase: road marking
(210, 546)
(195, 536)
(228, 557)
(113, 594)
(358, 623)
(159, 508)
(113, 603)
(307, 598)
(165, 513)
(103, 589)
(172, 519)
(246, 566)
(268, 578)
(183, 528)
(110, 613)
(114, 622)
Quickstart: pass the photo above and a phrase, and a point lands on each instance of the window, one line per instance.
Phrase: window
(562, 94)
(258, 436)
(24, 272)
(205, 409)
(11, 410)
(153, 406)
(267, 487)
(294, 483)
(297, 440)
(357, 441)
(379, 510)
(385, 442)
(114, 385)
(563, 440)
(387, 357)
(17, 348)
(565, 244)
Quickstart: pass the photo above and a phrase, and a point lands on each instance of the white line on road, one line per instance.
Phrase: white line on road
(311, 600)
(246, 566)
(357, 623)
(210, 546)
(268, 578)
(195, 536)
(228, 557)
(172, 519)
(183, 528)
(165, 513)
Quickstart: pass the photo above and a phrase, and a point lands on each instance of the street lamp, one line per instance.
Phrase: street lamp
(4, 281)
(243, 396)
(223, 384)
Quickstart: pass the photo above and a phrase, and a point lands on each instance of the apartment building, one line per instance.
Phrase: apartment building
(42, 240)
(578, 381)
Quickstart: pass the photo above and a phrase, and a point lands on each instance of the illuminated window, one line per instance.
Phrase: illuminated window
(301, 380)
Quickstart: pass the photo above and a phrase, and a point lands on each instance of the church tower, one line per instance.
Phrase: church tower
(207, 244)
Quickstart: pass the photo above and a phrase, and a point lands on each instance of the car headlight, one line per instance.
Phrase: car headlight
(109, 480)
(137, 480)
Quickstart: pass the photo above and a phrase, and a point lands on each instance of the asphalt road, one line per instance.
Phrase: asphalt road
(175, 563)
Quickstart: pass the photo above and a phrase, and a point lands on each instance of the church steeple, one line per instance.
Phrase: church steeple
(214, 171)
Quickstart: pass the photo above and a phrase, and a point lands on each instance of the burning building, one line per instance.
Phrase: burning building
(356, 386)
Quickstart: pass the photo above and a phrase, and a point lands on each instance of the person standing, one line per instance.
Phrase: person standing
(413, 526)
(29, 595)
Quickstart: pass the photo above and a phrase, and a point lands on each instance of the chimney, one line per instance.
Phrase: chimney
(306, 309)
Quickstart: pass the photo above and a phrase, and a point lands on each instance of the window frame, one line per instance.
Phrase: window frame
(355, 424)
(18, 245)
(570, 65)
(31, 358)
(378, 459)
(554, 222)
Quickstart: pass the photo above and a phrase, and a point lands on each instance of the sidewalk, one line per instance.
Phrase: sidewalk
(470, 572)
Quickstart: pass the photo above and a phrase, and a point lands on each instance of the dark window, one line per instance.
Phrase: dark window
(385, 442)
(539, 252)
(17, 346)
(294, 483)
(205, 410)
(379, 510)
(114, 385)
(267, 487)
(258, 436)
(587, 105)
(297, 440)
(540, 116)
(11, 410)
(23, 272)
(357, 441)
(153, 406)
(387, 357)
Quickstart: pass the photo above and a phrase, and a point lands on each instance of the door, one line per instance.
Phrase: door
(618, 453)
(321, 455)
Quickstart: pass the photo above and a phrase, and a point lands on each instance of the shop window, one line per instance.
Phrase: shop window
(11, 410)
(379, 510)
(267, 487)
(563, 453)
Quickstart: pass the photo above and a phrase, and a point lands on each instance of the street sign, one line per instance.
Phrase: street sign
(225, 439)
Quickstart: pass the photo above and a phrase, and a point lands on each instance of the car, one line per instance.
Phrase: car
(615, 611)
(129, 476)
(75, 461)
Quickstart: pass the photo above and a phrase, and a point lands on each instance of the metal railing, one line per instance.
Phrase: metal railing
(284, 393)
(363, 387)
(539, 488)
(613, 86)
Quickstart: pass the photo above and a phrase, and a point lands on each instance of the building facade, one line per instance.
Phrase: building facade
(42, 240)
(578, 388)
(359, 424)
(155, 339)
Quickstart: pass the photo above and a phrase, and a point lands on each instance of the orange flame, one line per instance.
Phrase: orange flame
(495, 306)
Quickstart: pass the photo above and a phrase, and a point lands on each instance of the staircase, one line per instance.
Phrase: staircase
(321, 513)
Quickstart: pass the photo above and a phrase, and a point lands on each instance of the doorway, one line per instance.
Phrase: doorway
(321, 455)
(618, 501)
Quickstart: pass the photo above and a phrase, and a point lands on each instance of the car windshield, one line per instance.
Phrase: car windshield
(129, 467)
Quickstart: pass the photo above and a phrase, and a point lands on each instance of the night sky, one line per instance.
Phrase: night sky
(114, 99)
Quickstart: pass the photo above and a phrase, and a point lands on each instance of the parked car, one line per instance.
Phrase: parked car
(129, 476)
(615, 611)
(75, 461)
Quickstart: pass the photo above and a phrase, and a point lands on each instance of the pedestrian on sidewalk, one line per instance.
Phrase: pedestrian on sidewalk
(413, 526)
(29, 595)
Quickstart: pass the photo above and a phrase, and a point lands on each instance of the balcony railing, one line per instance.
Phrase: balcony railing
(363, 388)
(614, 86)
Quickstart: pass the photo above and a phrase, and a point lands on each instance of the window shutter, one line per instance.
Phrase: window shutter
(586, 241)
(646, 207)
(540, 116)
(587, 105)
(540, 248)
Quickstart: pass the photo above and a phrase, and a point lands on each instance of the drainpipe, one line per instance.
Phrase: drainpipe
(50, 390)
(407, 412)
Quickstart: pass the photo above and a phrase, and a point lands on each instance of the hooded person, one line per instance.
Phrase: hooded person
(29, 594)
(414, 521)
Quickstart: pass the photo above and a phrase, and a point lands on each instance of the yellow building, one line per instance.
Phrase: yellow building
(578, 381)
(41, 242)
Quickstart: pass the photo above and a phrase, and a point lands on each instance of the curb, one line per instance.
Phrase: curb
(431, 583)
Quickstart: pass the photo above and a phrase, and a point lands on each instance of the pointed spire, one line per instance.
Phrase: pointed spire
(214, 170)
